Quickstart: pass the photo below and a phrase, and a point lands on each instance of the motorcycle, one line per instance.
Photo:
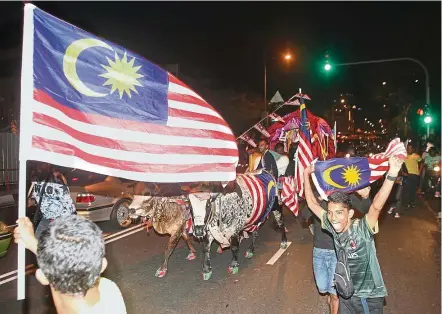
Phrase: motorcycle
(433, 180)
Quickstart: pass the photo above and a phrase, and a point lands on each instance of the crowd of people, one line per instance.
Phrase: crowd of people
(345, 266)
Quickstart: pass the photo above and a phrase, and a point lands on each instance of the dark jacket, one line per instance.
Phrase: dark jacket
(269, 164)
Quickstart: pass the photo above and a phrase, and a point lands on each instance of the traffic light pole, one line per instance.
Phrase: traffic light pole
(427, 76)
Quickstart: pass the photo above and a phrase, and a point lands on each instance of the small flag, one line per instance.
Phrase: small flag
(276, 118)
(248, 140)
(293, 103)
(304, 152)
(288, 194)
(303, 96)
(351, 174)
(262, 129)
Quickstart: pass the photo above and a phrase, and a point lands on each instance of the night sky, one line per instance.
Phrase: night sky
(225, 42)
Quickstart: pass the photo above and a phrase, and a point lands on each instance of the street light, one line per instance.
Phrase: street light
(342, 101)
(287, 57)
(384, 83)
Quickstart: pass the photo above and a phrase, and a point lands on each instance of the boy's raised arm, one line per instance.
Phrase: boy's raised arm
(312, 202)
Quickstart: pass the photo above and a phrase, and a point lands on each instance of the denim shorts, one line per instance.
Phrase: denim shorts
(324, 265)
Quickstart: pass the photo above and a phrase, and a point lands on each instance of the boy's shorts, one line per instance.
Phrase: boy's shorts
(324, 265)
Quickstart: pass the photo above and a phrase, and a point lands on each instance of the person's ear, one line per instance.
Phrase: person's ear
(41, 277)
(103, 265)
(351, 212)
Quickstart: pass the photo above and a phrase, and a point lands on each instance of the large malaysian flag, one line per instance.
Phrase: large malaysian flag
(91, 104)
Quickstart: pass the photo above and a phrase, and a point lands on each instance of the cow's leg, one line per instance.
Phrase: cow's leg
(251, 250)
(279, 218)
(207, 268)
(192, 252)
(234, 246)
(173, 241)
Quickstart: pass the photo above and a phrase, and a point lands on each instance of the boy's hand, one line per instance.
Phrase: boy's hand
(395, 165)
(365, 192)
(24, 233)
(309, 169)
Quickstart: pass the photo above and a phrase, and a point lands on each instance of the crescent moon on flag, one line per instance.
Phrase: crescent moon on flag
(328, 179)
(70, 64)
(270, 186)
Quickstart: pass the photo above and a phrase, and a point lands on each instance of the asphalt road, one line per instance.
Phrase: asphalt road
(408, 251)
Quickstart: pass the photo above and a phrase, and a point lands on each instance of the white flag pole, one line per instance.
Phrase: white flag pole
(27, 89)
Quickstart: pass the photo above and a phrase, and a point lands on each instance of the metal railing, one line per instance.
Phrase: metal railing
(9, 162)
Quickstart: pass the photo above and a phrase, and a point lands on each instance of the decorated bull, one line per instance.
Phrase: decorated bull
(167, 215)
(228, 217)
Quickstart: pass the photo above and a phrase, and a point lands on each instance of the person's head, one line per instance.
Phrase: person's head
(279, 148)
(432, 152)
(70, 255)
(263, 145)
(410, 149)
(339, 211)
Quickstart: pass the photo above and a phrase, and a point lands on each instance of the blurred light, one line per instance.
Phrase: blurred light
(342, 101)
(370, 155)
(354, 107)
(427, 119)
(380, 120)
(437, 168)
(416, 81)
(288, 57)
(385, 106)
(327, 67)
(347, 155)
(365, 119)
(384, 83)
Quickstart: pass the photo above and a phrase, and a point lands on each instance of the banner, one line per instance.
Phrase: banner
(248, 140)
(262, 129)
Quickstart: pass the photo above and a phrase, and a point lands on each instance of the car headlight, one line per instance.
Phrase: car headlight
(437, 168)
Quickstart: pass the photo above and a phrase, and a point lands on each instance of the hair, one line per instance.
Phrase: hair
(263, 140)
(340, 198)
(279, 145)
(70, 254)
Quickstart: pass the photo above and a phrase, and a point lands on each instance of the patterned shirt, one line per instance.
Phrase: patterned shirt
(359, 244)
(56, 200)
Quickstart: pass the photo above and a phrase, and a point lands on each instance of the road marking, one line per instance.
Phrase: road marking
(278, 255)
(15, 277)
(125, 235)
(14, 271)
(115, 236)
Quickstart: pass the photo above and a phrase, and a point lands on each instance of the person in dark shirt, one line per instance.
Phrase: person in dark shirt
(324, 255)
(267, 161)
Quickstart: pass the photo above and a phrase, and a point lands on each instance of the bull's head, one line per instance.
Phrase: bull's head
(142, 206)
(201, 206)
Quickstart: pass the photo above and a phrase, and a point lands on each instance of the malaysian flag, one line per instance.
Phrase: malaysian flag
(276, 118)
(91, 104)
(248, 140)
(289, 197)
(351, 174)
(304, 155)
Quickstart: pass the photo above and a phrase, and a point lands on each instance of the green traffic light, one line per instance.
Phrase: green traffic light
(427, 119)
(327, 67)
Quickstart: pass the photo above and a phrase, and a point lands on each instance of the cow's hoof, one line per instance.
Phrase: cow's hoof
(206, 276)
(219, 250)
(191, 256)
(283, 245)
(160, 273)
(249, 254)
(233, 270)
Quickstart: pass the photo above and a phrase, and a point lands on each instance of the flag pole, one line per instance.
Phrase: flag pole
(27, 86)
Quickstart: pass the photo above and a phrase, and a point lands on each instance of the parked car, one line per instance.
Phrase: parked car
(100, 197)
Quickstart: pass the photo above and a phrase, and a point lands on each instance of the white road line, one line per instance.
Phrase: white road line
(15, 277)
(278, 255)
(14, 271)
(120, 232)
(124, 233)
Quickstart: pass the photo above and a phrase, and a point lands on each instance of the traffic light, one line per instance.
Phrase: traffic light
(327, 65)
(427, 120)
(420, 112)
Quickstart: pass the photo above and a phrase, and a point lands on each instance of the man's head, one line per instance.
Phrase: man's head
(263, 146)
(70, 255)
(339, 211)
(410, 149)
(432, 152)
(279, 148)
